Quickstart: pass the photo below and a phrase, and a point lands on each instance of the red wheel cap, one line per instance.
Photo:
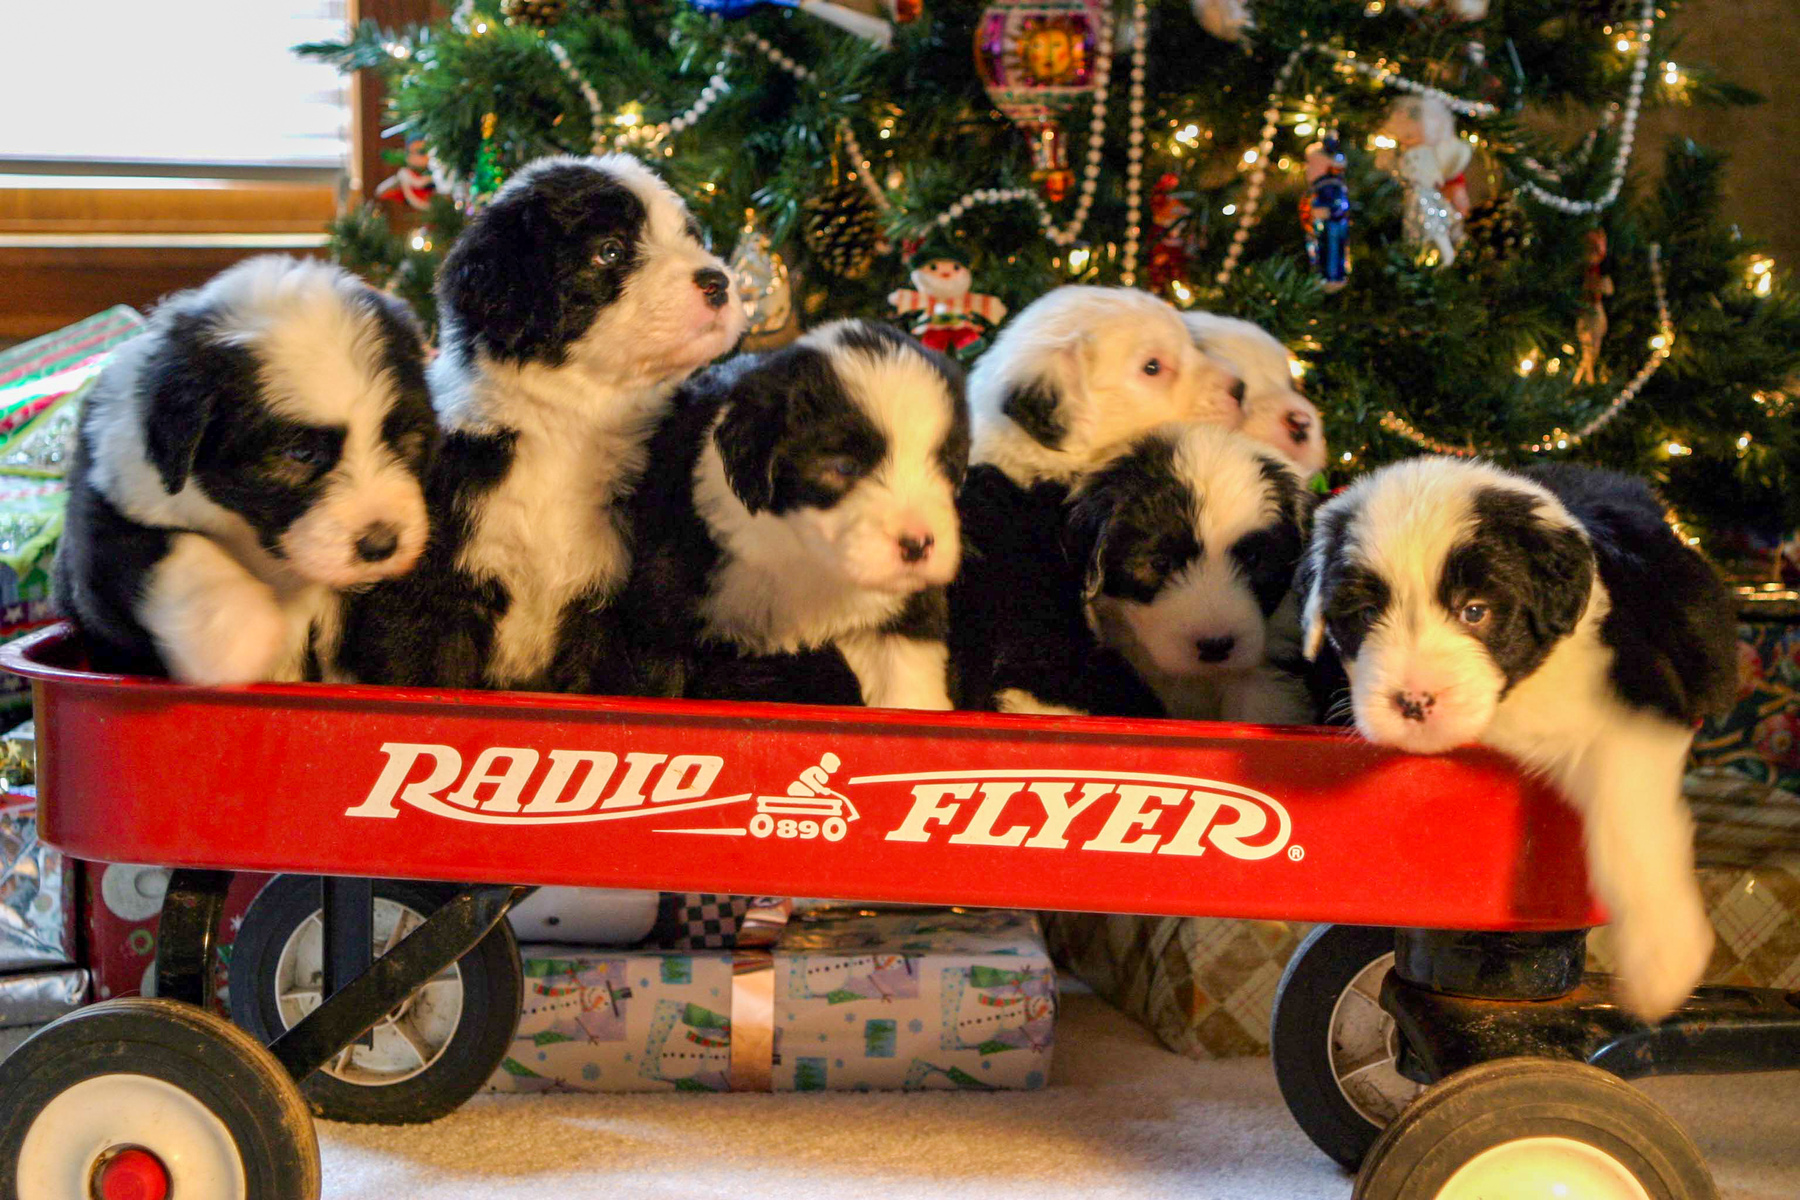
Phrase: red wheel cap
(132, 1174)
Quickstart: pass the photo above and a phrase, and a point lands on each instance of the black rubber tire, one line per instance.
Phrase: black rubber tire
(493, 991)
(1496, 1102)
(232, 1075)
(1300, 1036)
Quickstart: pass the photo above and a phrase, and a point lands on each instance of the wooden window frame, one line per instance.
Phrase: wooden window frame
(73, 243)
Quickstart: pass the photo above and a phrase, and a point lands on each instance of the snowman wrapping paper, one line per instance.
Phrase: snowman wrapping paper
(848, 999)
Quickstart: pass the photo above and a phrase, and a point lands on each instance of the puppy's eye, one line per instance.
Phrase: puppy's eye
(841, 467)
(1249, 556)
(610, 252)
(1474, 614)
(1153, 367)
(305, 455)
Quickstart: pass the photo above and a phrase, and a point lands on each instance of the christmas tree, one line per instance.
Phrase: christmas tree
(1516, 276)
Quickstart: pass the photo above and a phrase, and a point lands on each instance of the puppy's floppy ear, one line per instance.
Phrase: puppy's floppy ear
(1052, 386)
(183, 382)
(1562, 577)
(501, 280)
(1308, 585)
(1087, 524)
(755, 419)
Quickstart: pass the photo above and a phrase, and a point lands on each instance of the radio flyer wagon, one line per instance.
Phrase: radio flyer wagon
(1453, 893)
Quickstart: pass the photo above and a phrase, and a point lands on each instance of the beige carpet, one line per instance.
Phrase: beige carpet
(1122, 1118)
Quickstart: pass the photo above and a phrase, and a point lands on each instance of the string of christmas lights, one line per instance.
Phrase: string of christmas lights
(1661, 347)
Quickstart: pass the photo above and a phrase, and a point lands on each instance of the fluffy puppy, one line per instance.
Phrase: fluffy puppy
(1083, 370)
(1160, 588)
(257, 451)
(572, 306)
(798, 525)
(1272, 411)
(1553, 616)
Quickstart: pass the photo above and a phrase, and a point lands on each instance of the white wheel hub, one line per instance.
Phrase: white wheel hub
(406, 1041)
(1365, 1046)
(109, 1112)
(1543, 1168)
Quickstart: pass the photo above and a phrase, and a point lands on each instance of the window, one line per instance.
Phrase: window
(196, 85)
(148, 146)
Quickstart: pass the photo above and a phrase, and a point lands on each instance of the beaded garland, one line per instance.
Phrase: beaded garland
(653, 135)
(1661, 347)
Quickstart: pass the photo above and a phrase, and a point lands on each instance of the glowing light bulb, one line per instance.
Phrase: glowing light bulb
(1303, 129)
(1229, 209)
(1624, 45)
(1249, 156)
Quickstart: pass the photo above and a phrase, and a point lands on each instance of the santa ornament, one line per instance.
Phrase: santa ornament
(1419, 144)
(1325, 213)
(950, 317)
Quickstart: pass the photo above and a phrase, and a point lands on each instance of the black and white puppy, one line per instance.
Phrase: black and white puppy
(797, 525)
(1080, 372)
(1157, 585)
(573, 305)
(1553, 616)
(254, 454)
(1189, 544)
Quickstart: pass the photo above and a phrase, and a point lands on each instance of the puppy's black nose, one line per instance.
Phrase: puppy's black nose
(378, 542)
(714, 284)
(1414, 706)
(1214, 650)
(913, 549)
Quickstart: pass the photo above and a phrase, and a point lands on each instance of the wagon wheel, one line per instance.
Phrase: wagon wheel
(141, 1099)
(426, 1056)
(1334, 1047)
(1529, 1127)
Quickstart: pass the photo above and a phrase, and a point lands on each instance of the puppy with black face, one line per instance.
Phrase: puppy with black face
(797, 525)
(1553, 616)
(1167, 595)
(1188, 544)
(256, 453)
(573, 305)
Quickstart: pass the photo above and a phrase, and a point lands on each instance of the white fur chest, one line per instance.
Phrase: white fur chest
(549, 532)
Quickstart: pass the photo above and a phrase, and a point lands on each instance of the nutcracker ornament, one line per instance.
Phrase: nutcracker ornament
(1325, 213)
(412, 184)
(951, 317)
(1039, 60)
(1590, 328)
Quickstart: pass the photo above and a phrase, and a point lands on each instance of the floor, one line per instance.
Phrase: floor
(1122, 1118)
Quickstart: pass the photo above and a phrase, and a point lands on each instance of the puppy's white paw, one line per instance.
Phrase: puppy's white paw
(1018, 700)
(1662, 954)
(243, 641)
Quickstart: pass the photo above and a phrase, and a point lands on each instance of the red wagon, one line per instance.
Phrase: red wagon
(367, 788)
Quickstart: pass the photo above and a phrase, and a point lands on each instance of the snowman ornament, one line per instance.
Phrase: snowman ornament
(949, 316)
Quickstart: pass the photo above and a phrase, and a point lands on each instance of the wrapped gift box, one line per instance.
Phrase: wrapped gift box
(122, 906)
(37, 896)
(845, 999)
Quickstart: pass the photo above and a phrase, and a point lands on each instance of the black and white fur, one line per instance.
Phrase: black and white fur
(1553, 616)
(573, 305)
(256, 452)
(1157, 585)
(1080, 372)
(797, 525)
(1189, 545)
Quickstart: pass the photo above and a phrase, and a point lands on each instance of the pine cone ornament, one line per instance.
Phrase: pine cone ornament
(539, 14)
(1496, 230)
(840, 230)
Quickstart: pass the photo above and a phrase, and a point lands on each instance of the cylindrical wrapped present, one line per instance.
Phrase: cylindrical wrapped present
(37, 925)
